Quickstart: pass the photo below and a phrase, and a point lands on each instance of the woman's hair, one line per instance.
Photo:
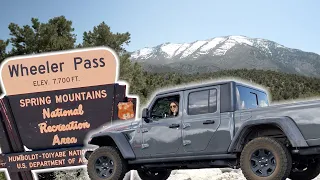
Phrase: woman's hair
(176, 103)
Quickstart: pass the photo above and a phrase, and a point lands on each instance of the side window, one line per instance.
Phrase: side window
(165, 107)
(202, 102)
(246, 99)
(249, 98)
(213, 101)
(263, 99)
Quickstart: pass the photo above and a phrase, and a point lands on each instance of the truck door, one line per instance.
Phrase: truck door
(162, 136)
(201, 117)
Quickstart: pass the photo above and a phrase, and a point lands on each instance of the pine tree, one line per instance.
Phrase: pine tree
(3, 48)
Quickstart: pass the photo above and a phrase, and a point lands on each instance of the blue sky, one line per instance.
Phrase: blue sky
(291, 23)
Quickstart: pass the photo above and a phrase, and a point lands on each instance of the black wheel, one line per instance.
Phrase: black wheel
(154, 174)
(305, 171)
(106, 163)
(265, 158)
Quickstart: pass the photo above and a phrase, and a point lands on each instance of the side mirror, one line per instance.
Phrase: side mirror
(145, 113)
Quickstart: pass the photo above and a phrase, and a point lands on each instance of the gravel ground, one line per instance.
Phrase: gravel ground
(197, 174)
(203, 174)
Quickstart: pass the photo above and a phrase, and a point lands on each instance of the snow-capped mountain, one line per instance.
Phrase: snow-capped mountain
(227, 52)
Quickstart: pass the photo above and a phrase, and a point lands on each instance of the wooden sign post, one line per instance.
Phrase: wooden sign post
(52, 101)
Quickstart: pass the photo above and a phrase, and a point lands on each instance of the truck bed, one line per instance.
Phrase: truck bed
(306, 115)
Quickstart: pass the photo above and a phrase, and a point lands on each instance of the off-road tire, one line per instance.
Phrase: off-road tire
(162, 174)
(281, 154)
(310, 173)
(120, 165)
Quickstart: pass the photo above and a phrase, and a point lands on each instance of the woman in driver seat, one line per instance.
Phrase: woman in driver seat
(174, 109)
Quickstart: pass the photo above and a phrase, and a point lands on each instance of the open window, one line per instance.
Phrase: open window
(161, 107)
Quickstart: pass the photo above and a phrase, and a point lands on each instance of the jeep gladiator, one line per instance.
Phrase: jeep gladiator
(221, 124)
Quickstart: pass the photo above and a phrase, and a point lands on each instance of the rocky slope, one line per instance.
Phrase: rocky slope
(228, 52)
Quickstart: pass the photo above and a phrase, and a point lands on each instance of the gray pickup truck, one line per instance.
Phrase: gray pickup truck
(213, 125)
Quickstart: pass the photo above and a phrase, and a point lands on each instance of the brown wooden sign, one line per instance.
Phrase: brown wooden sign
(57, 119)
(52, 102)
(59, 70)
(27, 161)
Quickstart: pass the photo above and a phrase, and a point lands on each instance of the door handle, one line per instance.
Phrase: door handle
(144, 130)
(209, 122)
(174, 126)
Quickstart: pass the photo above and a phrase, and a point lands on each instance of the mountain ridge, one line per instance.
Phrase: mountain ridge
(227, 52)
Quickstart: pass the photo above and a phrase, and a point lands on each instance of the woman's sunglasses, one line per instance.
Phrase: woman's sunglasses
(173, 106)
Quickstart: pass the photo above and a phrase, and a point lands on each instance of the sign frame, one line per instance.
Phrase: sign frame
(8, 147)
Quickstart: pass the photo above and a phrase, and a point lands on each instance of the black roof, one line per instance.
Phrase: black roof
(195, 86)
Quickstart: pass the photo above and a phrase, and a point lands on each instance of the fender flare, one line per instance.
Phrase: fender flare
(286, 124)
(119, 139)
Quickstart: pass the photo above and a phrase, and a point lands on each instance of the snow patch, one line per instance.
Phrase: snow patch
(170, 49)
(212, 44)
(142, 53)
(219, 46)
(279, 46)
(262, 44)
(195, 46)
(241, 40)
(224, 48)
(182, 48)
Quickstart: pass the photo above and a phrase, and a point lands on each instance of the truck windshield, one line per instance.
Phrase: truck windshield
(249, 98)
